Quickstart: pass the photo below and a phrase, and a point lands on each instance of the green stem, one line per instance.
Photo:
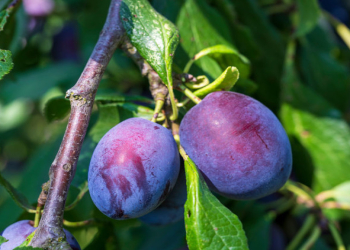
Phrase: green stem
(341, 28)
(188, 66)
(37, 216)
(308, 224)
(78, 223)
(189, 94)
(337, 238)
(79, 197)
(312, 239)
(175, 114)
(158, 109)
(302, 191)
(183, 153)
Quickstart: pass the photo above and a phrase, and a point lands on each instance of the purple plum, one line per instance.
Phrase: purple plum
(133, 169)
(19, 231)
(238, 144)
(172, 209)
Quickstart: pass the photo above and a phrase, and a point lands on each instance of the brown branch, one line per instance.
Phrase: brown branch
(49, 234)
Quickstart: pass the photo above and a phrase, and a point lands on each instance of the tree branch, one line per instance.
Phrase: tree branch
(49, 234)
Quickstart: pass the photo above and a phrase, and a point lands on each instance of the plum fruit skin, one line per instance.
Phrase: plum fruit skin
(19, 231)
(172, 209)
(239, 145)
(133, 169)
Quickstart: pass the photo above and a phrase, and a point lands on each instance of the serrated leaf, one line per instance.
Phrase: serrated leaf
(209, 224)
(2, 240)
(17, 197)
(6, 63)
(57, 108)
(154, 37)
(4, 14)
(327, 141)
(307, 16)
(226, 56)
(225, 82)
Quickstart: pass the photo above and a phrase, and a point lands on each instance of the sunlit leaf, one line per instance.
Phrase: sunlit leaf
(209, 224)
(155, 37)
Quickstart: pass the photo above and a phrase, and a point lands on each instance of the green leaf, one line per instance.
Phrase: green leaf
(18, 197)
(326, 139)
(13, 114)
(155, 37)
(226, 56)
(225, 82)
(5, 62)
(324, 74)
(198, 32)
(269, 62)
(108, 98)
(57, 108)
(27, 241)
(28, 248)
(341, 193)
(307, 16)
(3, 18)
(209, 224)
(30, 83)
(111, 114)
(2, 240)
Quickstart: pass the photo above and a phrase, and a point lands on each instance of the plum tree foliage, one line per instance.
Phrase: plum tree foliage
(193, 124)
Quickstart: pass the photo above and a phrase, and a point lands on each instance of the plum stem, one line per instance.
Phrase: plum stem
(78, 223)
(50, 233)
(337, 238)
(83, 191)
(158, 108)
(315, 234)
(308, 224)
(37, 215)
(189, 94)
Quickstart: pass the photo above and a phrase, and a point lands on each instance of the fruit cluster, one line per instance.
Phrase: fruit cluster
(237, 143)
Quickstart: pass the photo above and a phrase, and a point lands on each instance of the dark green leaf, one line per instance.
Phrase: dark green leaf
(106, 98)
(327, 141)
(307, 16)
(268, 64)
(34, 83)
(225, 82)
(5, 62)
(155, 37)
(209, 224)
(57, 108)
(18, 197)
(325, 75)
(3, 18)
(2, 240)
(113, 113)
(198, 33)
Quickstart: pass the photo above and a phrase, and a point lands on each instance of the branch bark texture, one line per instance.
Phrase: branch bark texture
(49, 234)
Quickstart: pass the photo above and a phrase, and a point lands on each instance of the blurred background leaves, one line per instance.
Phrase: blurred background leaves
(306, 83)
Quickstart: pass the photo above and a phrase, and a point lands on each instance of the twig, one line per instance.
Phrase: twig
(49, 234)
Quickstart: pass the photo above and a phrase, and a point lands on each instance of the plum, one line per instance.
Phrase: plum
(19, 231)
(172, 209)
(133, 169)
(238, 144)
